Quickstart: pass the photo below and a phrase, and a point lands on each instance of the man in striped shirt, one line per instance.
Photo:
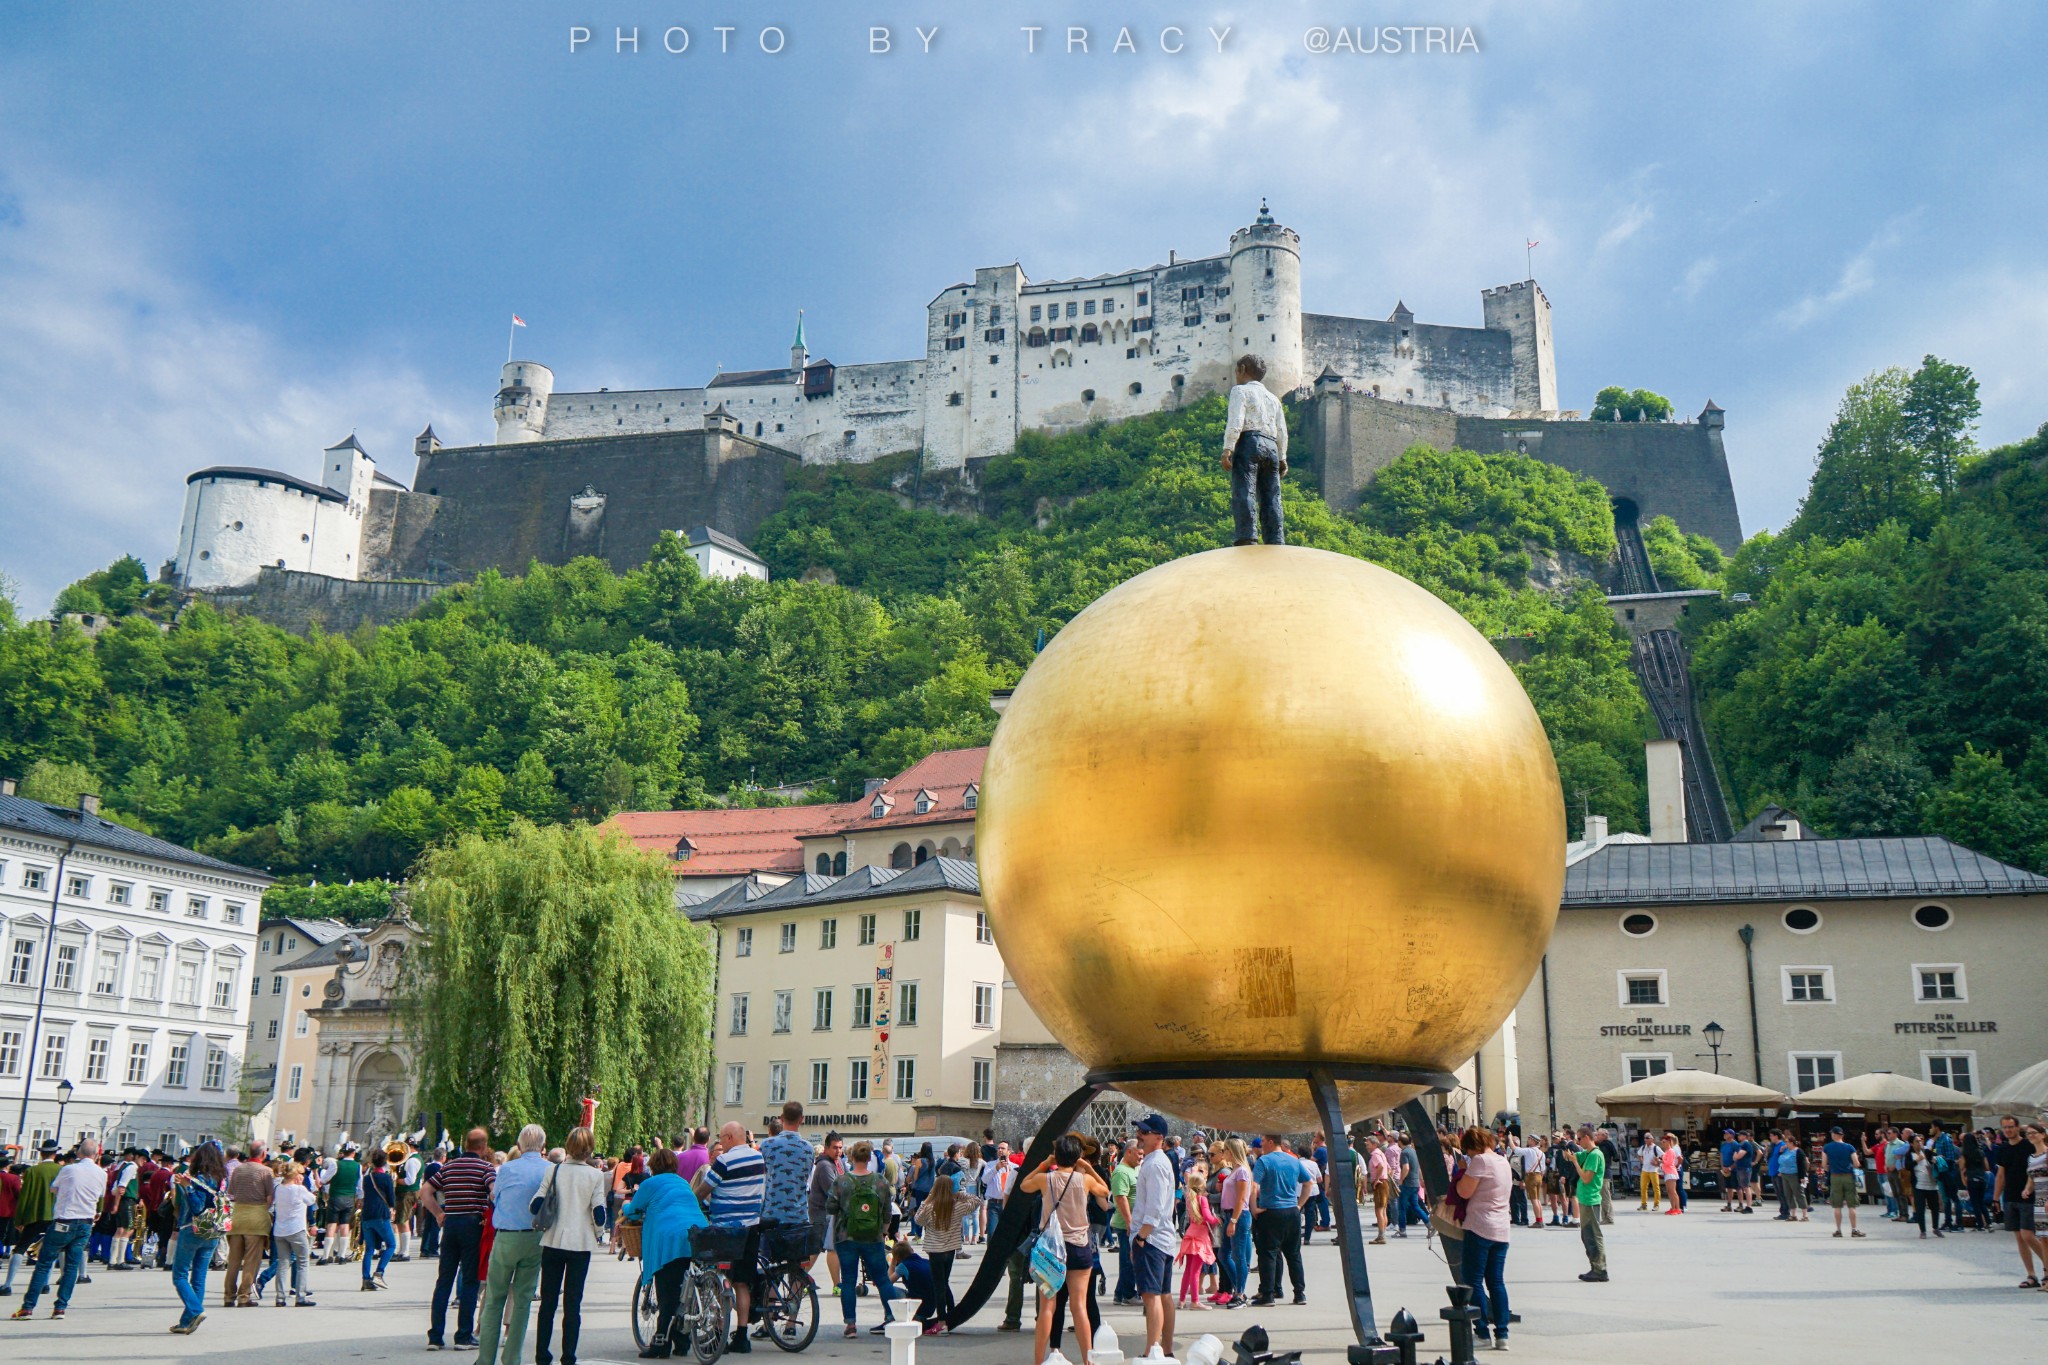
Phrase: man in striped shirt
(457, 1197)
(734, 1185)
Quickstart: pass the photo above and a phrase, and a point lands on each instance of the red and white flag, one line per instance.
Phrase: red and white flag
(518, 321)
(1531, 247)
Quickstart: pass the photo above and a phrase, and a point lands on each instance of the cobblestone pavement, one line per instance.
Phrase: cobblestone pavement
(1707, 1286)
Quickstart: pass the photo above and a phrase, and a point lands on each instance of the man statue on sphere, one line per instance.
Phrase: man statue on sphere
(1255, 453)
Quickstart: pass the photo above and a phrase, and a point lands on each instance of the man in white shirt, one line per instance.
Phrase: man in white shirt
(1255, 453)
(75, 1195)
(1155, 1239)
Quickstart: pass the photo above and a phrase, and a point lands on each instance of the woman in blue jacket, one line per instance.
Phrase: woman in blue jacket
(667, 1210)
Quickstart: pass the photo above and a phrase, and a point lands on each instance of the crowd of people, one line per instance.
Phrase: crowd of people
(1155, 1222)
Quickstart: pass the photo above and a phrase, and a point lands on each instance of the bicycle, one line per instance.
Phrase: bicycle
(786, 1303)
(705, 1304)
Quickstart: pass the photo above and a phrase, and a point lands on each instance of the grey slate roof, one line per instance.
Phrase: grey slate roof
(1787, 870)
(711, 535)
(863, 883)
(68, 822)
(249, 474)
(730, 378)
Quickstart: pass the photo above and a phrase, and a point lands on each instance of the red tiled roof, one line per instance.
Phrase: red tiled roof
(726, 843)
(946, 774)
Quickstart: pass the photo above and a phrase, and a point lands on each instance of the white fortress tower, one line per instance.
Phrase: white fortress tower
(1265, 298)
(238, 520)
(522, 406)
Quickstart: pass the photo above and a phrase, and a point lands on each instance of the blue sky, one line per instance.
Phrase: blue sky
(234, 233)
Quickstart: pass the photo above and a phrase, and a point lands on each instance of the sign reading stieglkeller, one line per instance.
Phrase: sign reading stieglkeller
(1945, 1023)
(1644, 1028)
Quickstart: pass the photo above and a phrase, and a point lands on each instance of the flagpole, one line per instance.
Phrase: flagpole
(511, 331)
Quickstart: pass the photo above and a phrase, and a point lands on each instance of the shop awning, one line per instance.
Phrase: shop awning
(1690, 1088)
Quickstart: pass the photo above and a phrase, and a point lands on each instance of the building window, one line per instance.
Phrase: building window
(1639, 925)
(215, 1077)
(735, 1082)
(913, 925)
(1956, 1070)
(984, 1005)
(148, 978)
(739, 1014)
(195, 907)
(224, 989)
(906, 1004)
(1644, 1065)
(743, 943)
(1035, 312)
(64, 973)
(956, 343)
(1933, 917)
(119, 892)
(160, 901)
(778, 1082)
(1939, 981)
(1809, 985)
(906, 1079)
(821, 1082)
(1640, 988)
(277, 985)
(1143, 297)
(784, 1007)
(839, 867)
(298, 1076)
(1812, 1070)
(867, 930)
(21, 961)
(821, 1008)
(255, 985)
(788, 938)
(1801, 920)
(106, 978)
(984, 1081)
(857, 1080)
(233, 913)
(138, 1061)
(982, 933)
(54, 1048)
(824, 864)
(863, 1007)
(10, 1052)
(77, 887)
(828, 930)
(272, 1034)
(35, 878)
(972, 799)
(185, 988)
(302, 1024)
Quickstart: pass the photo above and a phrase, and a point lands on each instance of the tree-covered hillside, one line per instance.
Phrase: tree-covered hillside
(572, 692)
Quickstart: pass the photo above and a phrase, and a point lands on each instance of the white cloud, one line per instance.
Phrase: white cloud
(1697, 275)
(1627, 224)
(123, 378)
(1858, 277)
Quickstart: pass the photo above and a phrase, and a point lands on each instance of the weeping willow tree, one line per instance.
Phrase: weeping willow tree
(556, 966)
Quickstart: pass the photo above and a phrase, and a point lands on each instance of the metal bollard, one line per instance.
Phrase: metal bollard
(1460, 1315)
(1406, 1334)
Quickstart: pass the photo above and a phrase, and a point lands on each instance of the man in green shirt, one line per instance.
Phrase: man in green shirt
(1123, 1183)
(1592, 1168)
(341, 1203)
(33, 1208)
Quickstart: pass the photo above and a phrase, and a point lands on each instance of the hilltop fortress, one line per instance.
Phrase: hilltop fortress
(602, 472)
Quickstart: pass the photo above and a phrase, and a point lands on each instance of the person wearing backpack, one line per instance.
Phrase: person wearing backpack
(859, 1209)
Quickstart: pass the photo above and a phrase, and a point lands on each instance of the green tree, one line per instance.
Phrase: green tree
(556, 966)
(358, 903)
(1869, 471)
(1941, 409)
(1682, 560)
(1875, 789)
(1984, 805)
(1616, 404)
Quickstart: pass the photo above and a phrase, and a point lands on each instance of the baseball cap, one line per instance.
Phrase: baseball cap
(1153, 1123)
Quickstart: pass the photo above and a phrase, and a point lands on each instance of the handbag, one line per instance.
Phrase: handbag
(1049, 1251)
(547, 1205)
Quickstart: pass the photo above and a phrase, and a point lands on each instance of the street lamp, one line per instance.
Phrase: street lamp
(1714, 1034)
(63, 1101)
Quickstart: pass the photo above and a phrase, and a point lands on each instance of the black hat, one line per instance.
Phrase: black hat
(49, 1146)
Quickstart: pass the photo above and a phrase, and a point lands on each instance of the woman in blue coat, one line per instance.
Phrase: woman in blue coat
(667, 1210)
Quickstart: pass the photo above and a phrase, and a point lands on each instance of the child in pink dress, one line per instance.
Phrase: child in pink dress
(1197, 1250)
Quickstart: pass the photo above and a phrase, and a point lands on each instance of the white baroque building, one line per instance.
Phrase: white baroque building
(138, 994)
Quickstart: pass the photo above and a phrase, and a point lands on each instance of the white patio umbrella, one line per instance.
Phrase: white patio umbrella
(2025, 1095)
(1690, 1088)
(1884, 1090)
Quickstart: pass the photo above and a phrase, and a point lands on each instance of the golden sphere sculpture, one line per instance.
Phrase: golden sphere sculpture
(1270, 803)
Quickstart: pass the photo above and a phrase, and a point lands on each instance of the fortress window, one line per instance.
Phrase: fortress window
(1136, 389)
(206, 554)
(1141, 325)
(1269, 272)
(1034, 312)
(995, 315)
(280, 563)
(305, 539)
(849, 437)
(1143, 295)
(1091, 333)
(1109, 305)
(238, 526)
(757, 428)
(1222, 291)
(992, 360)
(778, 426)
(956, 343)
(991, 393)
(1089, 308)
(1223, 317)
(1130, 353)
(1087, 395)
(994, 334)
(952, 400)
(1192, 320)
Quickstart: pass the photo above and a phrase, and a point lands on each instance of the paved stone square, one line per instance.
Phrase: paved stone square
(1706, 1286)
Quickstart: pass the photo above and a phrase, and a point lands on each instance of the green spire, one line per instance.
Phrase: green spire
(799, 342)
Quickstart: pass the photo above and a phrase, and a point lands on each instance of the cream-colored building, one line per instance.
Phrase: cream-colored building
(1818, 959)
(874, 998)
(344, 1064)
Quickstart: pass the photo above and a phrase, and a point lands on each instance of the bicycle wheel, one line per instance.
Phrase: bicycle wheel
(710, 1311)
(792, 1314)
(644, 1314)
